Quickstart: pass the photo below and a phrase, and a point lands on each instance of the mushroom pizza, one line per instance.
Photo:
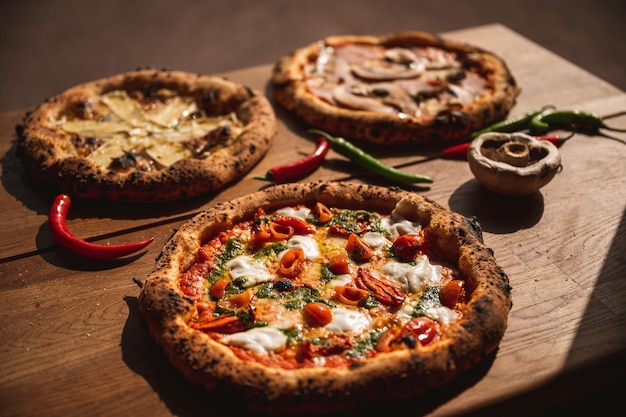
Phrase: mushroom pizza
(409, 87)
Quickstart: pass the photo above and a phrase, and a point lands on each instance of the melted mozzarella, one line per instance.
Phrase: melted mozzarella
(342, 279)
(301, 212)
(258, 339)
(254, 272)
(412, 277)
(307, 244)
(398, 226)
(345, 320)
(442, 314)
(375, 240)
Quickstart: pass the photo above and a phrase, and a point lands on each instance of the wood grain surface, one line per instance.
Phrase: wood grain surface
(72, 342)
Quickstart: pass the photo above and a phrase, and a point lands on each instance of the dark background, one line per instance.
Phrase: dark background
(48, 46)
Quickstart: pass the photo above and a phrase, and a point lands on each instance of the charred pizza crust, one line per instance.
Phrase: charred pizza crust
(398, 88)
(177, 135)
(398, 374)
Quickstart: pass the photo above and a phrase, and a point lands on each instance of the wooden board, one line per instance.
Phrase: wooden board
(72, 342)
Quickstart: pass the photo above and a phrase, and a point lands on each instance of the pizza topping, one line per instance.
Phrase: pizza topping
(347, 294)
(382, 291)
(414, 81)
(412, 276)
(452, 293)
(422, 329)
(357, 249)
(259, 339)
(248, 271)
(292, 263)
(320, 313)
(407, 246)
(219, 288)
(337, 289)
(149, 132)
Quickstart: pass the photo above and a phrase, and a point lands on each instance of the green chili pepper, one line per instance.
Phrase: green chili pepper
(576, 120)
(368, 162)
(514, 124)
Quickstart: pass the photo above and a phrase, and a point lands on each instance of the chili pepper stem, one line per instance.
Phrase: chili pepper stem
(266, 177)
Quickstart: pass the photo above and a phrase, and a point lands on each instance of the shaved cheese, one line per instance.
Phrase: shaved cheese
(114, 147)
(125, 108)
(93, 127)
(170, 113)
(161, 131)
(167, 153)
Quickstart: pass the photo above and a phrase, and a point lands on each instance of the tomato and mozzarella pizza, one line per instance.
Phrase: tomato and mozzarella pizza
(318, 297)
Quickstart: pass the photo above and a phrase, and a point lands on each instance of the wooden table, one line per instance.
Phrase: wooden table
(72, 342)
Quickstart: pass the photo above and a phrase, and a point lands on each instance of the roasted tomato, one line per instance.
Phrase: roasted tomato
(406, 247)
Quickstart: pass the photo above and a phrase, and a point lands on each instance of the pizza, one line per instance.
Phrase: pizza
(147, 135)
(397, 88)
(324, 297)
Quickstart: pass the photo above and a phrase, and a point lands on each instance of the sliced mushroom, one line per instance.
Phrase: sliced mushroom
(344, 96)
(396, 96)
(381, 97)
(513, 163)
(399, 63)
(401, 56)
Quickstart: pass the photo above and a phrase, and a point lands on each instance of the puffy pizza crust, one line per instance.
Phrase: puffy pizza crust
(290, 91)
(48, 152)
(394, 375)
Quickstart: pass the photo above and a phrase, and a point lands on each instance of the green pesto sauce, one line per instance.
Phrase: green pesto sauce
(351, 221)
(263, 219)
(293, 336)
(364, 344)
(233, 248)
(429, 298)
(299, 297)
(266, 290)
(270, 250)
(326, 275)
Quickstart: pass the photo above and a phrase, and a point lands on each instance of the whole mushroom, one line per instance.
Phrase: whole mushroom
(513, 163)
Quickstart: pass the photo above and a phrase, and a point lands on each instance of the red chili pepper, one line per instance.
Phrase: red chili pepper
(460, 151)
(301, 167)
(61, 234)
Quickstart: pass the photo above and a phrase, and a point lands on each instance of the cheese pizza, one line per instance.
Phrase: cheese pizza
(323, 297)
(147, 135)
